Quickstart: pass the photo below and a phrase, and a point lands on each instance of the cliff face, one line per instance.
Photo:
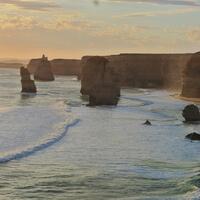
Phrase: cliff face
(97, 70)
(147, 70)
(68, 67)
(191, 78)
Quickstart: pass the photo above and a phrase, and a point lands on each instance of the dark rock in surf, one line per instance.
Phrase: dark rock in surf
(191, 113)
(147, 123)
(28, 85)
(193, 136)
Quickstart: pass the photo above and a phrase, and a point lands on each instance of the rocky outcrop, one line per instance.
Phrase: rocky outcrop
(147, 70)
(191, 113)
(67, 67)
(44, 71)
(147, 123)
(103, 93)
(97, 71)
(28, 85)
(193, 136)
(191, 78)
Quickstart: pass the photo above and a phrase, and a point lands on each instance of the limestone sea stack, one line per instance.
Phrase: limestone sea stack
(191, 78)
(97, 70)
(103, 93)
(28, 85)
(44, 71)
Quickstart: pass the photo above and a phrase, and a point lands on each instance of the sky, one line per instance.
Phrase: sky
(74, 28)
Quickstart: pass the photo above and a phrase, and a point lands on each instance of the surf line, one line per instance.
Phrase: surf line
(42, 145)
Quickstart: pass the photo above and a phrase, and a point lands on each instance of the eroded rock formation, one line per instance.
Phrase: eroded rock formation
(67, 67)
(191, 78)
(147, 70)
(191, 113)
(28, 85)
(103, 93)
(97, 71)
(44, 71)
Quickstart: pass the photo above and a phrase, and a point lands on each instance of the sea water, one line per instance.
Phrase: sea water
(52, 146)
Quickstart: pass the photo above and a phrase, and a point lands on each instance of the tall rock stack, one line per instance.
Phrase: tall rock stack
(191, 78)
(28, 85)
(44, 71)
(100, 82)
(95, 70)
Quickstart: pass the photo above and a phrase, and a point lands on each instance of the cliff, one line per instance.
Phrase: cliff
(68, 67)
(147, 70)
(191, 78)
(10, 65)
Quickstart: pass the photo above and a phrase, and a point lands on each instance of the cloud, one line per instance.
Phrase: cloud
(31, 5)
(161, 2)
(72, 21)
(150, 14)
(17, 22)
(122, 32)
(193, 34)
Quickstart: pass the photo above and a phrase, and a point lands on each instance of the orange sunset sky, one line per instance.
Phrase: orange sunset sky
(73, 28)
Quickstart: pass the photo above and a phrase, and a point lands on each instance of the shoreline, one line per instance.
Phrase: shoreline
(176, 96)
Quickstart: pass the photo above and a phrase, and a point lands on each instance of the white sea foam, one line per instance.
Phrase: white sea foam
(41, 145)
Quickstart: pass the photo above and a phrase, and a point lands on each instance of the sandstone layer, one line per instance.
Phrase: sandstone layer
(191, 78)
(44, 71)
(67, 67)
(146, 70)
(28, 85)
(97, 70)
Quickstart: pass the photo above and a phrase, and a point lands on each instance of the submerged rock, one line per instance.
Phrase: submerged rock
(191, 113)
(147, 123)
(28, 85)
(44, 71)
(193, 136)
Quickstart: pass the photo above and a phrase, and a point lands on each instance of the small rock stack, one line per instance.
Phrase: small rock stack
(28, 85)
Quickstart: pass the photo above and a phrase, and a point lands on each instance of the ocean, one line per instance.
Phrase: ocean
(52, 146)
